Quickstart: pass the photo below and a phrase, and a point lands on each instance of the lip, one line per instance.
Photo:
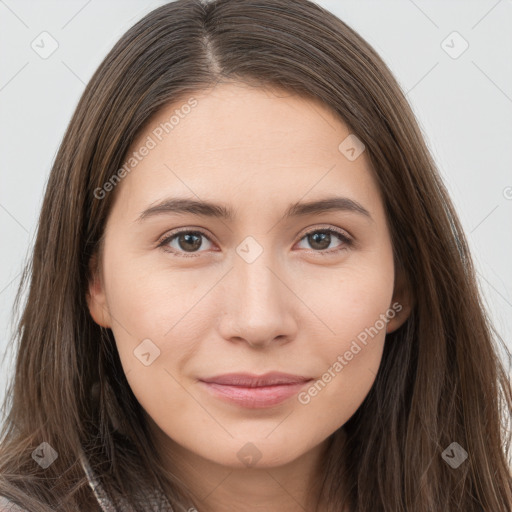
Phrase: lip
(255, 391)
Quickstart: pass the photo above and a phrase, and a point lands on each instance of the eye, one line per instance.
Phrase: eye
(190, 241)
(187, 241)
(320, 240)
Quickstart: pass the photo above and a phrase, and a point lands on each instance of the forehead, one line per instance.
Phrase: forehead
(244, 142)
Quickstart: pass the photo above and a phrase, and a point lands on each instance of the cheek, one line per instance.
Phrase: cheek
(351, 350)
(150, 299)
(144, 305)
(352, 299)
(156, 332)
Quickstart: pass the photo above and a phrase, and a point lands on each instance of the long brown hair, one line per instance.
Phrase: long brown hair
(441, 379)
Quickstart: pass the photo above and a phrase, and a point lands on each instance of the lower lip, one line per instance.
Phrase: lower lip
(254, 398)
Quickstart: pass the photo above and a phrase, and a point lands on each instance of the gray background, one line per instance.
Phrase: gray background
(464, 106)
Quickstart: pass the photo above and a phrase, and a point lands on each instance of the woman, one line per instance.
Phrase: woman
(250, 289)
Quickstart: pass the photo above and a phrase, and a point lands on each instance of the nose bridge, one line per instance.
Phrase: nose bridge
(259, 286)
(258, 306)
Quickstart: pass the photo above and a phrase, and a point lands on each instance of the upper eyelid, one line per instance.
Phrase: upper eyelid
(172, 233)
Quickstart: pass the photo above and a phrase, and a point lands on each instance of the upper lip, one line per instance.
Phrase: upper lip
(250, 380)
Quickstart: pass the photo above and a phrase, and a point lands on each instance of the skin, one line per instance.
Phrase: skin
(292, 309)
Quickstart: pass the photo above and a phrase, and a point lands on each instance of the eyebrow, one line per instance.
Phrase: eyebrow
(215, 210)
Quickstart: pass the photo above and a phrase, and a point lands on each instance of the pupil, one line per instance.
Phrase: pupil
(188, 239)
(324, 243)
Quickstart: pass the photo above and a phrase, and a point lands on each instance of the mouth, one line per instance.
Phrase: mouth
(255, 391)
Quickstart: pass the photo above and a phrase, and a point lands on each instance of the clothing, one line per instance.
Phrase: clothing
(8, 506)
(157, 502)
(97, 489)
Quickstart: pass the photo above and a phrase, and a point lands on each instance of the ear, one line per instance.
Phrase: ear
(403, 299)
(95, 296)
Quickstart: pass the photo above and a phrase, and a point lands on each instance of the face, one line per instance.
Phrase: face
(192, 295)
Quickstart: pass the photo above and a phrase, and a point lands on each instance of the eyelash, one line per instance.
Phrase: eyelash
(344, 238)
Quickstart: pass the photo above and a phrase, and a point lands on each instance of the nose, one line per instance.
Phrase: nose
(258, 304)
